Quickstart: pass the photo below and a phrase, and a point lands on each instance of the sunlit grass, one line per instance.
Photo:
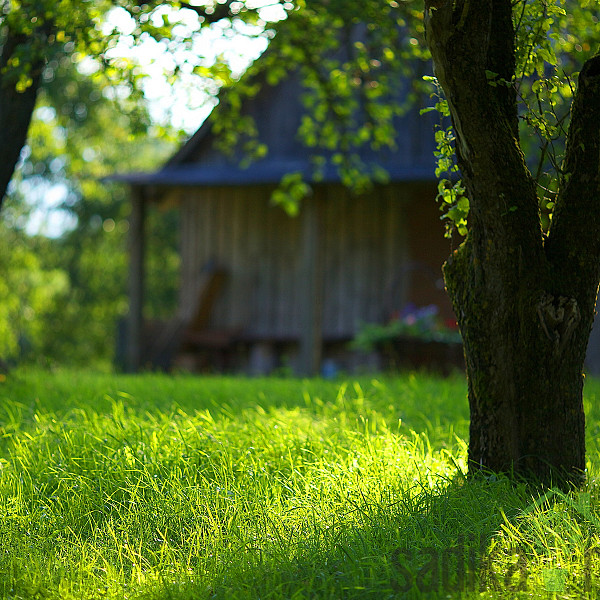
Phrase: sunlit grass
(158, 487)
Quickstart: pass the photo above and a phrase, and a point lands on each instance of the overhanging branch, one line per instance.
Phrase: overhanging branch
(471, 42)
(219, 11)
(16, 109)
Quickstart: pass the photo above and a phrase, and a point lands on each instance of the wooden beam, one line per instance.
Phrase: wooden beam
(311, 290)
(137, 243)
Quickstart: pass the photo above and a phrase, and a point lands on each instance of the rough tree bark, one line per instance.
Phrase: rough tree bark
(525, 303)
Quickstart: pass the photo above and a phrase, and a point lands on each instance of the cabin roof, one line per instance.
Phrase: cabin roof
(277, 111)
(260, 173)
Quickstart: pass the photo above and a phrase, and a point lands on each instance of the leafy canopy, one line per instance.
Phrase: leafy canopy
(553, 38)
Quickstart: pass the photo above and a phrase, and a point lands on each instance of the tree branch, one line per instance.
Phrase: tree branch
(16, 109)
(501, 60)
(219, 12)
(470, 42)
(573, 245)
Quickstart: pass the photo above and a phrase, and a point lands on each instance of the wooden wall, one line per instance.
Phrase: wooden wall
(365, 246)
(428, 249)
(257, 244)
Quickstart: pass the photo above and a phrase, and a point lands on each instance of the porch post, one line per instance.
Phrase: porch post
(137, 244)
(311, 293)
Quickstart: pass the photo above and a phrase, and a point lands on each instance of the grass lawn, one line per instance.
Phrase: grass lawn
(154, 487)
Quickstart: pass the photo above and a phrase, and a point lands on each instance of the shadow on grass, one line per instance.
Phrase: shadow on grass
(428, 545)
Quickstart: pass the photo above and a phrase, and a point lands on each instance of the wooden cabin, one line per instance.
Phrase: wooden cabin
(260, 289)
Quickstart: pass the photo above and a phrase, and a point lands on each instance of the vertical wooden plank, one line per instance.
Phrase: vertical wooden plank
(136, 279)
(230, 300)
(333, 260)
(204, 227)
(286, 258)
(311, 292)
(292, 275)
(369, 207)
(297, 277)
(354, 281)
(397, 249)
(189, 236)
(217, 253)
(327, 262)
(296, 249)
(277, 255)
(255, 260)
(183, 256)
(345, 258)
(197, 239)
(235, 309)
(267, 265)
(365, 224)
(223, 207)
(186, 226)
(387, 248)
(370, 233)
(357, 266)
(287, 276)
(374, 206)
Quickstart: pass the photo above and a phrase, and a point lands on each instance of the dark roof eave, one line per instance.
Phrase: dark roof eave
(192, 176)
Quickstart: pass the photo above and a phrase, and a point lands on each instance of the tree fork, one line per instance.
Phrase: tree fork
(525, 308)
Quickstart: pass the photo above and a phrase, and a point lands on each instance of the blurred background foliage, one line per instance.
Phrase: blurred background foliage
(63, 234)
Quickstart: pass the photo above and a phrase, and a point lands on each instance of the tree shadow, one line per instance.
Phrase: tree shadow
(427, 545)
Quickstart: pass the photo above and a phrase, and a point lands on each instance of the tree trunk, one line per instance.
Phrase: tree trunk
(16, 109)
(524, 351)
(525, 304)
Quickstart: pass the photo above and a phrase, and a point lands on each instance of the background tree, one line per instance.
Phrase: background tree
(78, 135)
(35, 34)
(30, 294)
